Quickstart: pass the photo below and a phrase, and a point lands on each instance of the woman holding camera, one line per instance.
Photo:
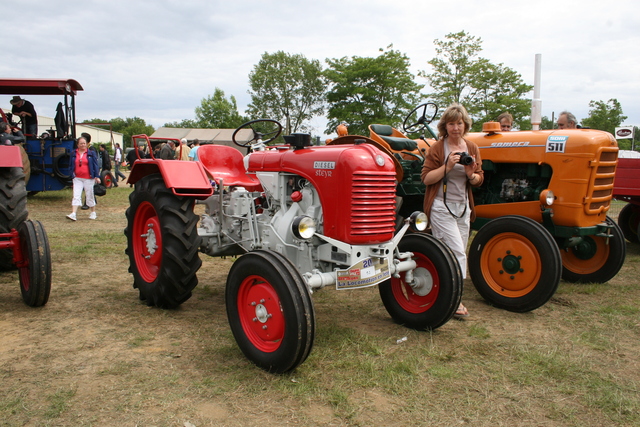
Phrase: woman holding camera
(451, 168)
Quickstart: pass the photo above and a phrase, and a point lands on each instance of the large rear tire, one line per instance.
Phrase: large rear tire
(13, 208)
(35, 274)
(434, 301)
(270, 311)
(596, 259)
(629, 222)
(515, 263)
(162, 243)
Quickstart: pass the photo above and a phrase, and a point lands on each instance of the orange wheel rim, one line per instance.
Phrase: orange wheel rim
(511, 265)
(587, 257)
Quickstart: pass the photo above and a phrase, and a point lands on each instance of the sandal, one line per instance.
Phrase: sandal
(462, 312)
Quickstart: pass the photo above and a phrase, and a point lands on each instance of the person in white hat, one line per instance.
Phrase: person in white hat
(24, 109)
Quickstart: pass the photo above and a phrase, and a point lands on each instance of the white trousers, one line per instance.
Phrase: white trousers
(80, 184)
(453, 232)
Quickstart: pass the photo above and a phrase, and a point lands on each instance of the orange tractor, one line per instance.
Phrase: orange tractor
(541, 211)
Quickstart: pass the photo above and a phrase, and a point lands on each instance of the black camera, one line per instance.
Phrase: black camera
(465, 158)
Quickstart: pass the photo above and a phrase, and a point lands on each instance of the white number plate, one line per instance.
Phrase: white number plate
(368, 272)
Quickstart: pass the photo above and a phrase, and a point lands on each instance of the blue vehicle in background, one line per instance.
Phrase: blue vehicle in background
(47, 161)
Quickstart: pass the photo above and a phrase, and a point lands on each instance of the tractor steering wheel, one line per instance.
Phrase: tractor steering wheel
(262, 128)
(420, 117)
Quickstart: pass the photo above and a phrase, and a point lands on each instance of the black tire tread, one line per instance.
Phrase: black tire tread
(13, 207)
(180, 260)
(35, 243)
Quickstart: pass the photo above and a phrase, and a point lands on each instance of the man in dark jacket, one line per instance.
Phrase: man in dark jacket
(23, 108)
(132, 156)
(167, 152)
(105, 158)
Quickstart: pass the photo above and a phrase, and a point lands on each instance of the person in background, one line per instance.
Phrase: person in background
(134, 155)
(448, 201)
(193, 154)
(105, 159)
(506, 122)
(182, 150)
(168, 152)
(8, 136)
(117, 159)
(24, 109)
(85, 173)
(566, 120)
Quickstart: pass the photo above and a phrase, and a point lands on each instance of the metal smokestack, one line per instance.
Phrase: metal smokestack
(536, 102)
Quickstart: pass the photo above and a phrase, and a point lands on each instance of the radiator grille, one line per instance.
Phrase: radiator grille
(373, 203)
(601, 185)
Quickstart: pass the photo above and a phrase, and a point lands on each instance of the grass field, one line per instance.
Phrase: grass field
(97, 356)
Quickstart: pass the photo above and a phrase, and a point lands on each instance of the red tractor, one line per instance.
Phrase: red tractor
(301, 218)
(23, 242)
(627, 187)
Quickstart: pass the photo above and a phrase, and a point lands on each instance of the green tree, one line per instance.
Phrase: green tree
(218, 112)
(485, 89)
(127, 127)
(288, 88)
(604, 115)
(365, 90)
(184, 123)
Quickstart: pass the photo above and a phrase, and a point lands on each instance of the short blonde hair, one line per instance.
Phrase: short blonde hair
(453, 113)
(505, 116)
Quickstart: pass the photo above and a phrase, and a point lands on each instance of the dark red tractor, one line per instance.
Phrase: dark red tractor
(23, 242)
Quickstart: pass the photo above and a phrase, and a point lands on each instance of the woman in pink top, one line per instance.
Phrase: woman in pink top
(85, 173)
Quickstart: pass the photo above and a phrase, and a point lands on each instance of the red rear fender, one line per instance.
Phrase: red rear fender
(183, 178)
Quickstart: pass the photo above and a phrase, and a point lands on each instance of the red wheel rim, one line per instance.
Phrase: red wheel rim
(407, 297)
(261, 313)
(146, 237)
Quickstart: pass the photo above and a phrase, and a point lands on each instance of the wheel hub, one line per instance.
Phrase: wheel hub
(586, 249)
(262, 314)
(150, 239)
(423, 281)
(511, 264)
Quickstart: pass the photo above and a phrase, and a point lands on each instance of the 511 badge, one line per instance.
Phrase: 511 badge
(556, 143)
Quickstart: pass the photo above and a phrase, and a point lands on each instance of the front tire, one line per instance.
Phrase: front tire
(270, 311)
(436, 298)
(35, 275)
(595, 260)
(515, 263)
(13, 208)
(162, 243)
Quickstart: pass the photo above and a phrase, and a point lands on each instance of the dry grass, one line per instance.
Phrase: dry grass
(95, 355)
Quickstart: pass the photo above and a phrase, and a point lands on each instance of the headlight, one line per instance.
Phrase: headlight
(418, 221)
(547, 198)
(304, 227)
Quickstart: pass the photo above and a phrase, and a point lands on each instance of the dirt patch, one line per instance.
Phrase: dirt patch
(96, 355)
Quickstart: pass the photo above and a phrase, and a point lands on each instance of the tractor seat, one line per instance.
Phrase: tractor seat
(226, 163)
(396, 143)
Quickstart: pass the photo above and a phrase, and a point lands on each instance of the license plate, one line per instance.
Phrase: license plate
(368, 272)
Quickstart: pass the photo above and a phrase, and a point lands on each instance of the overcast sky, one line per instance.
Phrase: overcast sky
(158, 59)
